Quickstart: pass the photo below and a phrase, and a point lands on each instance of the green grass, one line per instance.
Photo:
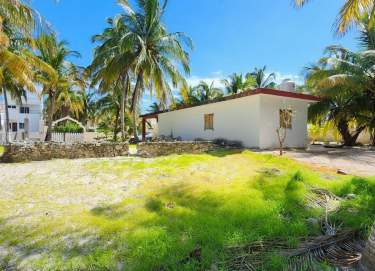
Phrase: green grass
(1, 150)
(170, 206)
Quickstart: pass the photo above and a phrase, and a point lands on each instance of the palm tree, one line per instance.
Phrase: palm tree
(69, 102)
(262, 79)
(237, 83)
(206, 92)
(15, 14)
(350, 14)
(188, 96)
(17, 71)
(107, 69)
(145, 48)
(154, 107)
(67, 76)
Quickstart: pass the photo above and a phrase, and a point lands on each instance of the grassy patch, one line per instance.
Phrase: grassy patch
(150, 214)
(1, 150)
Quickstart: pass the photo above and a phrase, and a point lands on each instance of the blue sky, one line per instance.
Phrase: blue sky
(228, 35)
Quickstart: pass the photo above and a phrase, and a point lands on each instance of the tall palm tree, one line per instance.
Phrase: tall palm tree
(108, 68)
(17, 68)
(66, 77)
(237, 83)
(350, 13)
(145, 48)
(262, 79)
(15, 71)
(206, 92)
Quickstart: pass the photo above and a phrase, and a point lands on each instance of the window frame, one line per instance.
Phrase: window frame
(24, 110)
(209, 121)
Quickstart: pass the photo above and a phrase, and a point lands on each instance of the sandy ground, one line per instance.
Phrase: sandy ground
(355, 161)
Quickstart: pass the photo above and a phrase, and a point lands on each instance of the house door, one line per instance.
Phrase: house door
(13, 126)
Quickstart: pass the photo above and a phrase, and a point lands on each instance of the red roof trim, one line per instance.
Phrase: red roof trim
(246, 93)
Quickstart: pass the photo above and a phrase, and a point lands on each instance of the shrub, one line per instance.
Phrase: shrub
(68, 127)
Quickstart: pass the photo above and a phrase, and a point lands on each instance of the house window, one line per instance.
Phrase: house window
(24, 110)
(11, 106)
(13, 126)
(208, 121)
(286, 118)
(21, 125)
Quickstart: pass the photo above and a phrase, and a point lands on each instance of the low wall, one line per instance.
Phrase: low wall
(153, 149)
(47, 151)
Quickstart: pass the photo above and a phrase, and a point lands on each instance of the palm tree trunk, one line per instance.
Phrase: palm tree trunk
(367, 262)
(115, 128)
(122, 115)
(349, 138)
(6, 116)
(136, 94)
(51, 110)
(135, 128)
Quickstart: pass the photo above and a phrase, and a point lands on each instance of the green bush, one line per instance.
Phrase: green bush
(68, 127)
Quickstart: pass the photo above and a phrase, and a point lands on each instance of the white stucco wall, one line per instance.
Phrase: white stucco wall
(236, 119)
(270, 106)
(253, 120)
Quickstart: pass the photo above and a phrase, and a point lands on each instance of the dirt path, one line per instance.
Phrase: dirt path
(356, 161)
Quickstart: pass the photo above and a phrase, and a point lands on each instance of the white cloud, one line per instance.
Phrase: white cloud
(216, 77)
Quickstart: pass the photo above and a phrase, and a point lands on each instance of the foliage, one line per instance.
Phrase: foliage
(262, 79)
(350, 14)
(237, 83)
(68, 127)
(138, 45)
(345, 81)
(61, 85)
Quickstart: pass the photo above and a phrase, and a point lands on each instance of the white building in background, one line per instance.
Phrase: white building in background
(25, 118)
(251, 117)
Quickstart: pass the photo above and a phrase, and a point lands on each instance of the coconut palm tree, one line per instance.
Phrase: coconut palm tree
(17, 68)
(237, 83)
(107, 68)
(206, 92)
(154, 107)
(15, 14)
(145, 48)
(350, 14)
(262, 79)
(67, 76)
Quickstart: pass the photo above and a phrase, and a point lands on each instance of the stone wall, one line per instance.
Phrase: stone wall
(154, 149)
(47, 151)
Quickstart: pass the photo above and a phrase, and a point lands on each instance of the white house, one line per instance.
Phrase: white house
(25, 118)
(251, 117)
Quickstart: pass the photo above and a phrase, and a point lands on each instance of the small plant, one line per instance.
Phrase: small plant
(68, 127)
(286, 115)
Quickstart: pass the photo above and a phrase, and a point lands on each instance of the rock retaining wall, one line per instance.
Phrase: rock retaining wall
(154, 149)
(47, 151)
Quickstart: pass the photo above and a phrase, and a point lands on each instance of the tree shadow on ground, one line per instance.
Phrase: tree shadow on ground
(183, 220)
